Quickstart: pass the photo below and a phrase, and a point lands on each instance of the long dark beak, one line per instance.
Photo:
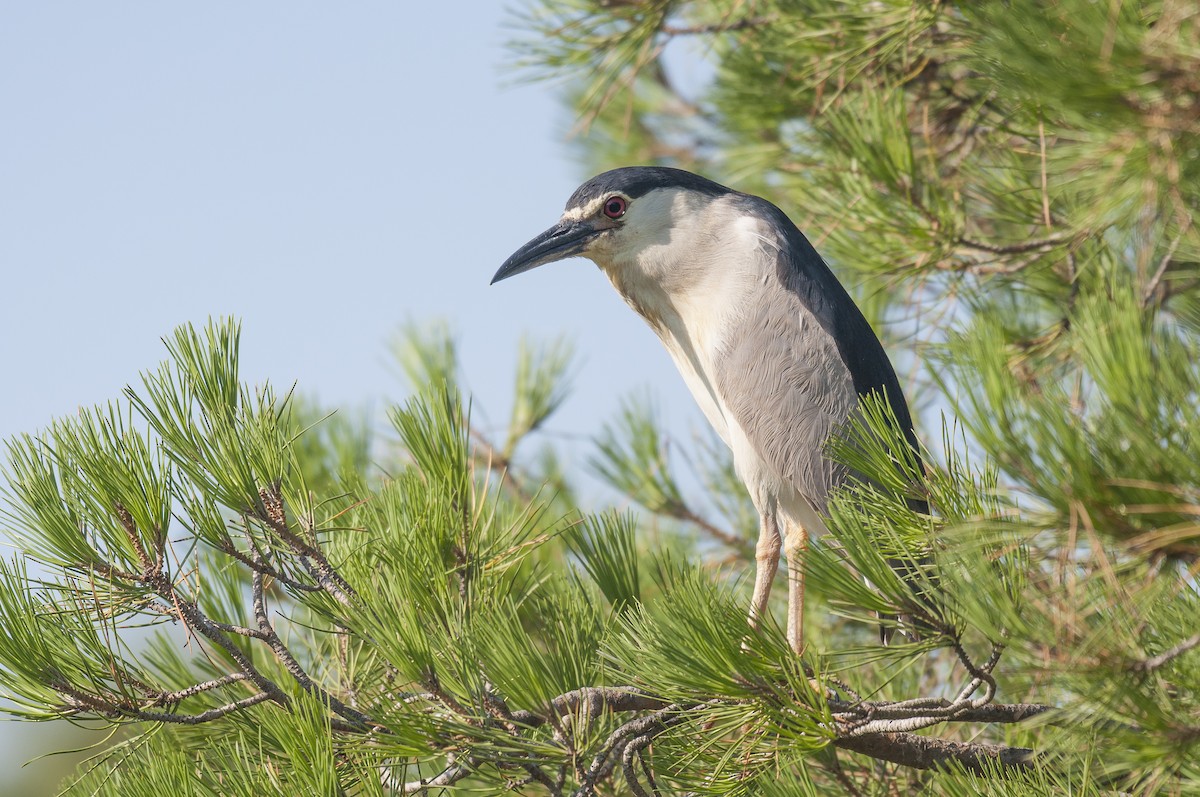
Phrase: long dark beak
(563, 240)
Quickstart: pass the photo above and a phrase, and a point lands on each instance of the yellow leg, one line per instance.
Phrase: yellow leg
(797, 546)
(766, 555)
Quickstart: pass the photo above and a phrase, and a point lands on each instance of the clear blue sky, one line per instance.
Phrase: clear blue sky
(322, 171)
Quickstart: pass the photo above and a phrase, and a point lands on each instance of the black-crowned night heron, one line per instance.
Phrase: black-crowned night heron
(772, 347)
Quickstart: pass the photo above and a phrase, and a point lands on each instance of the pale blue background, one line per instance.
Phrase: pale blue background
(322, 171)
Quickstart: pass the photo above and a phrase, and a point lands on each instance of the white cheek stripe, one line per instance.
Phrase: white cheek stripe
(575, 214)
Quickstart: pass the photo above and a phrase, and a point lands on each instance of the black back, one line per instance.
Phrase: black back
(806, 274)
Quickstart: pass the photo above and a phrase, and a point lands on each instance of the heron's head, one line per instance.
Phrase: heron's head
(617, 216)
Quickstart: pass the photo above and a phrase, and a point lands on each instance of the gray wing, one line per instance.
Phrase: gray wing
(783, 378)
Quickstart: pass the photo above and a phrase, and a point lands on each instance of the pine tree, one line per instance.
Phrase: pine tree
(1011, 192)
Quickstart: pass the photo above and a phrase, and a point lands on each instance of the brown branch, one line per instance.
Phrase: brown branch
(204, 716)
(844, 780)
(281, 651)
(1154, 662)
(499, 462)
(172, 611)
(924, 752)
(498, 708)
(866, 719)
(614, 698)
(196, 619)
(734, 541)
(106, 570)
(80, 701)
(131, 534)
(240, 630)
(190, 615)
(1049, 242)
(327, 578)
(942, 709)
(895, 745)
(979, 675)
(718, 27)
(447, 777)
(634, 735)
(633, 752)
(1152, 286)
(617, 699)
(1003, 713)
(1046, 219)
(311, 557)
(163, 698)
(228, 548)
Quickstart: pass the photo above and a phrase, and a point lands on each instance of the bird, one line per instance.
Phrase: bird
(770, 344)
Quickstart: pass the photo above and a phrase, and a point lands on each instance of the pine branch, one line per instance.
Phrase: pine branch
(266, 569)
(1167, 656)
(216, 631)
(281, 651)
(924, 752)
(1152, 285)
(202, 717)
(79, 701)
(497, 461)
(886, 736)
(197, 620)
(738, 543)
(310, 555)
(725, 26)
(179, 695)
(447, 777)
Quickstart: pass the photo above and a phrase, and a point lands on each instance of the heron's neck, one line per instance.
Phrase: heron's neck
(694, 281)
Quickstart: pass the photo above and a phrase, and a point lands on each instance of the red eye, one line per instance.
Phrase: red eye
(615, 207)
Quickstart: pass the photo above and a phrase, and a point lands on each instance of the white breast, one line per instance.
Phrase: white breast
(692, 289)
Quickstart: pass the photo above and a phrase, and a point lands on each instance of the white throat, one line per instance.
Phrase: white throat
(690, 269)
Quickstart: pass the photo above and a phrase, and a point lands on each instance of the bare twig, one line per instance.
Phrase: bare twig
(499, 709)
(941, 708)
(311, 557)
(1152, 285)
(724, 26)
(200, 623)
(632, 753)
(735, 541)
(165, 698)
(881, 730)
(924, 752)
(1046, 219)
(612, 751)
(1049, 242)
(499, 462)
(1154, 662)
(240, 630)
(202, 717)
(447, 777)
(281, 651)
(614, 698)
(846, 782)
(266, 569)
(79, 701)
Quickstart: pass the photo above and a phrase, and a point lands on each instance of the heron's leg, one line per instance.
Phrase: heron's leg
(766, 555)
(797, 546)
